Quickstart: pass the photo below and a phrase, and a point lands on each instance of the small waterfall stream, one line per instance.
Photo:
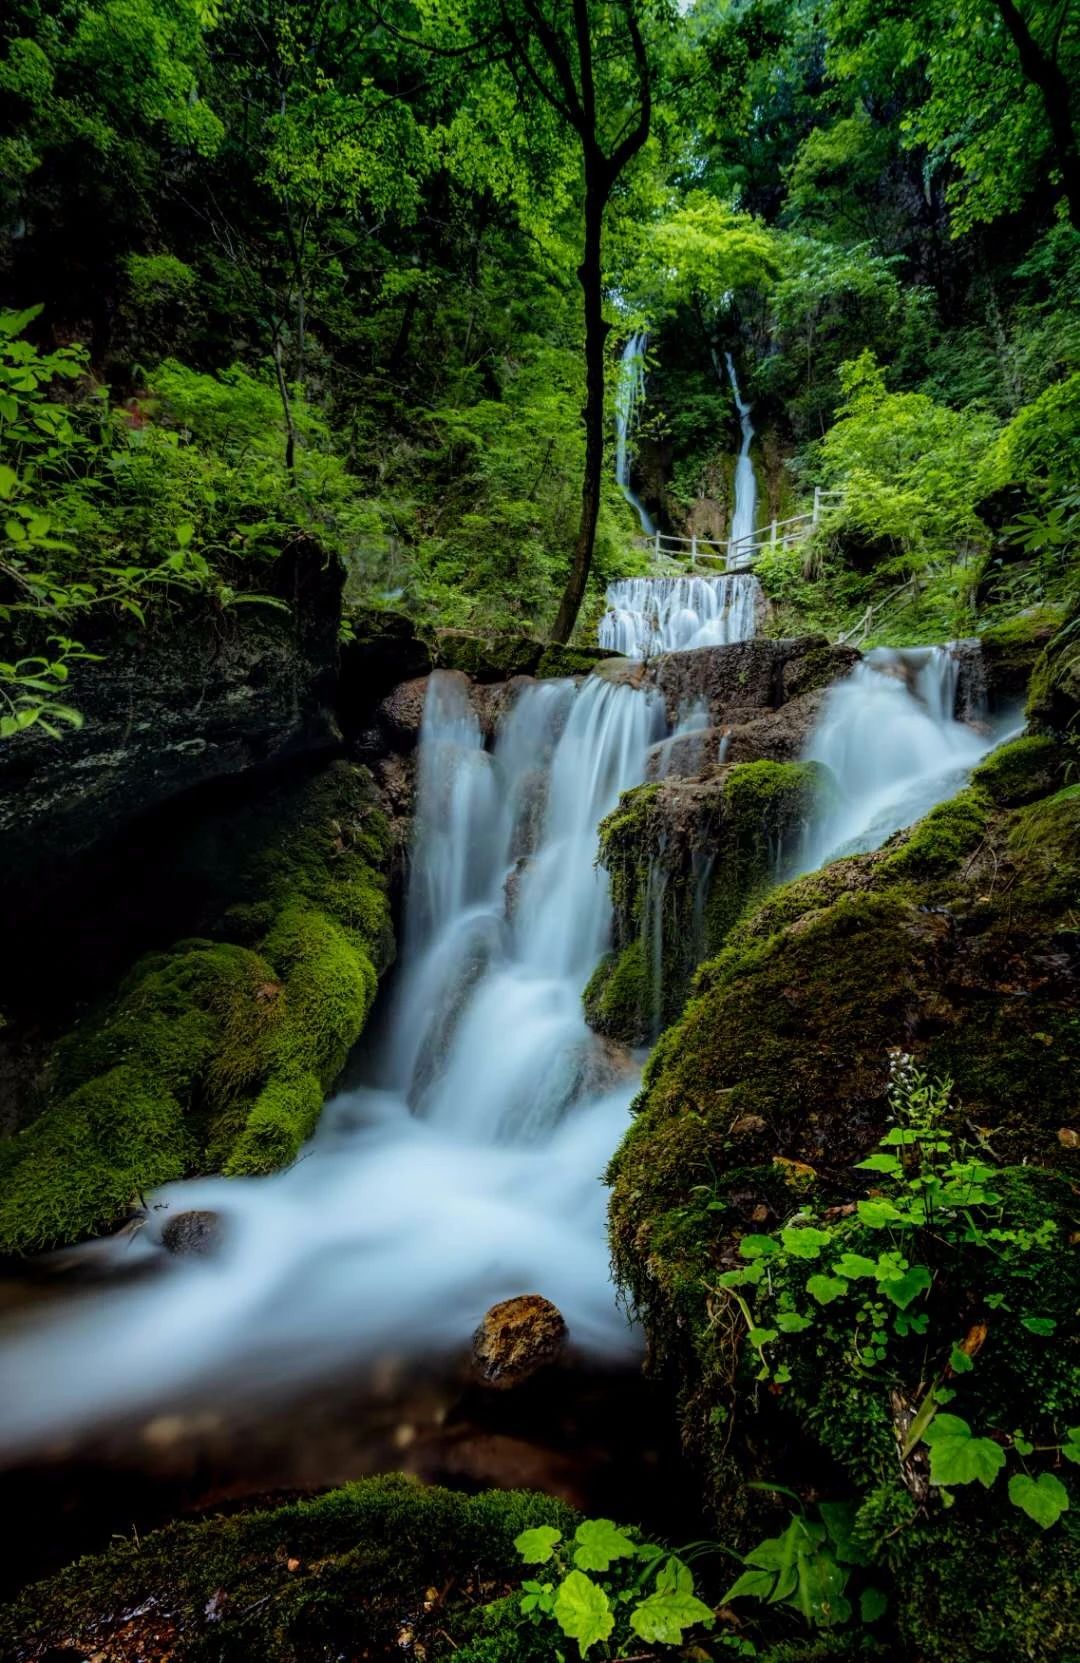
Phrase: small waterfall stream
(744, 511)
(889, 737)
(629, 396)
(467, 1174)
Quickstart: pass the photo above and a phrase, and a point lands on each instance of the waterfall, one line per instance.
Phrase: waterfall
(629, 396)
(468, 1174)
(648, 615)
(744, 511)
(889, 737)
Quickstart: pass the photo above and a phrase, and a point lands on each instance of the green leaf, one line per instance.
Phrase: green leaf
(751, 1585)
(902, 1290)
(583, 1610)
(853, 1265)
(537, 1546)
(761, 1336)
(661, 1618)
(753, 1247)
(872, 1605)
(878, 1214)
(8, 481)
(13, 323)
(184, 533)
(790, 1322)
(805, 1241)
(1071, 1448)
(1038, 1325)
(959, 1361)
(598, 1543)
(879, 1163)
(956, 1457)
(1043, 1500)
(826, 1288)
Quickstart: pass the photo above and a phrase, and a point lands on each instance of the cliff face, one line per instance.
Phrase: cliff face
(204, 696)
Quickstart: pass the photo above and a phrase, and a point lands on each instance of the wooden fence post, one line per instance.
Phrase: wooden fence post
(817, 504)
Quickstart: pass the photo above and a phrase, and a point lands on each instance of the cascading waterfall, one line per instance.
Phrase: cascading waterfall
(649, 615)
(890, 740)
(744, 511)
(629, 396)
(469, 1174)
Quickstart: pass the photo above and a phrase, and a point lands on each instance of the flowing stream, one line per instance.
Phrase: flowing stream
(629, 396)
(467, 1174)
(890, 739)
(744, 511)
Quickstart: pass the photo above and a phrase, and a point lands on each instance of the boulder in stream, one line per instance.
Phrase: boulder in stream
(516, 1339)
(195, 1232)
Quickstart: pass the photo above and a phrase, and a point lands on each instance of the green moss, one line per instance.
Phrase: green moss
(619, 999)
(943, 838)
(571, 661)
(487, 657)
(217, 1055)
(1054, 694)
(364, 1558)
(685, 861)
(1021, 772)
(82, 1168)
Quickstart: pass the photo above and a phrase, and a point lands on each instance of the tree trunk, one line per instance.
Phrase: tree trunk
(286, 408)
(591, 276)
(1042, 71)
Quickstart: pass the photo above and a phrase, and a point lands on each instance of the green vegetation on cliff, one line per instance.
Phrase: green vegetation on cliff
(844, 1212)
(685, 859)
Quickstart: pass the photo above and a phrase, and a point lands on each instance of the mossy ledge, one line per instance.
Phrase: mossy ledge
(216, 1054)
(957, 944)
(685, 858)
(377, 1569)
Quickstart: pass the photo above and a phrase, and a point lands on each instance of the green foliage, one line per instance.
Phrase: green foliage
(649, 1593)
(809, 1567)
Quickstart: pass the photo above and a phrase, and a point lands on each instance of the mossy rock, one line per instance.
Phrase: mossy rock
(572, 661)
(1022, 771)
(1054, 695)
(685, 859)
(377, 1569)
(217, 1054)
(486, 657)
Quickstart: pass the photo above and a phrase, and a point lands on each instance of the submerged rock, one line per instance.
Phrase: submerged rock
(198, 1231)
(516, 1339)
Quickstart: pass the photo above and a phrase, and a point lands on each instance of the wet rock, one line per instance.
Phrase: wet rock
(775, 736)
(385, 650)
(746, 676)
(516, 1339)
(197, 1232)
(972, 690)
(169, 709)
(486, 657)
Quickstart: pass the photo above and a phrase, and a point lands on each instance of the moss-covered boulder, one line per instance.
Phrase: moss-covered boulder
(1054, 694)
(685, 858)
(379, 1569)
(1011, 648)
(216, 1054)
(954, 945)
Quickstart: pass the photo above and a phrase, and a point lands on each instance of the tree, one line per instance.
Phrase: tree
(588, 65)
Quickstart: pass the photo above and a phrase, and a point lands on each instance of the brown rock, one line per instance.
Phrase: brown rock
(198, 1232)
(517, 1338)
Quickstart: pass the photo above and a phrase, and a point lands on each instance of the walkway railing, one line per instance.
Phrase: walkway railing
(740, 554)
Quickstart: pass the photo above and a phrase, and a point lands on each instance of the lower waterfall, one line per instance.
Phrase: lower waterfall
(468, 1173)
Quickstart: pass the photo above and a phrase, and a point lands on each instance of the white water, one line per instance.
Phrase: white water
(744, 511)
(472, 1172)
(648, 615)
(629, 396)
(889, 738)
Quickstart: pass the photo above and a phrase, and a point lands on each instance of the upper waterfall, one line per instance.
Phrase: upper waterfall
(744, 508)
(649, 615)
(629, 395)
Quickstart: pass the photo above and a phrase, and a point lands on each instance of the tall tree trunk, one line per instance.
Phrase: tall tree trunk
(591, 276)
(286, 407)
(1045, 74)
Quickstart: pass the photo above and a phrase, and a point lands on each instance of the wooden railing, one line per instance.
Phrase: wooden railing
(740, 554)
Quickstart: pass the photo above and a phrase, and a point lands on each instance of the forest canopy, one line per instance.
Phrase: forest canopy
(360, 273)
